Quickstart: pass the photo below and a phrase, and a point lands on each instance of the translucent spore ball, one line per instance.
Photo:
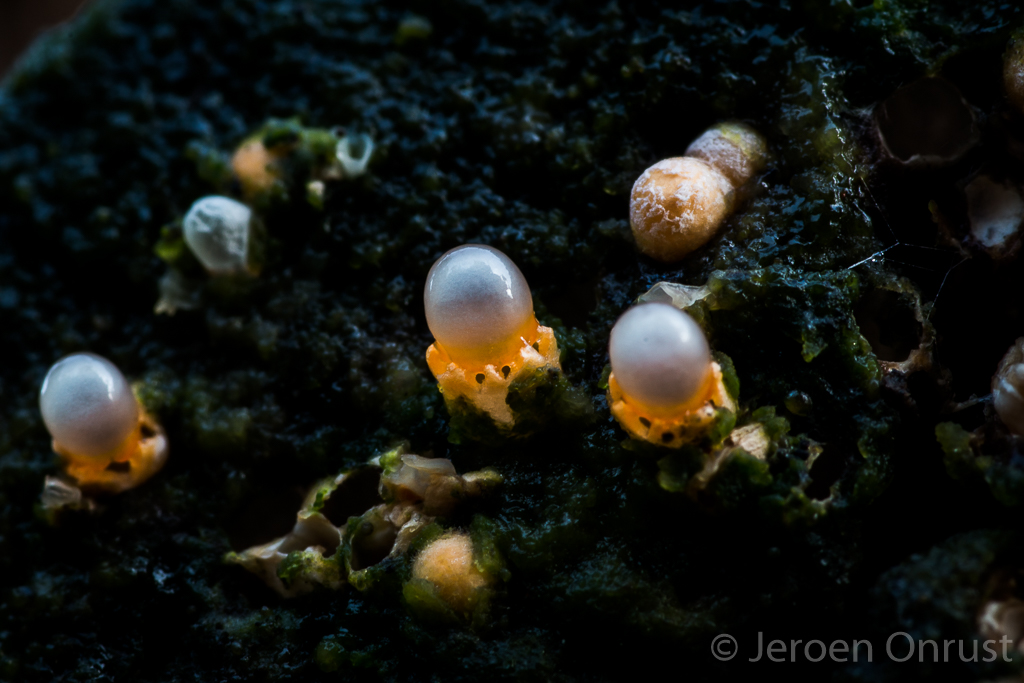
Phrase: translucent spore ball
(480, 311)
(218, 231)
(664, 386)
(478, 305)
(105, 438)
(87, 405)
(660, 357)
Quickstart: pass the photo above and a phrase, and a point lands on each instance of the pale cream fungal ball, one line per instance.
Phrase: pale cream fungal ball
(660, 359)
(217, 230)
(1008, 398)
(1008, 388)
(447, 564)
(676, 206)
(87, 405)
(478, 305)
(735, 150)
(995, 210)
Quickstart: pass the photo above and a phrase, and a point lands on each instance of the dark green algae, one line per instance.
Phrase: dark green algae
(521, 125)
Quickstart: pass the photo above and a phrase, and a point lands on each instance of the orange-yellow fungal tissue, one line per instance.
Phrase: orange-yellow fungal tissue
(664, 388)
(678, 204)
(480, 311)
(256, 167)
(107, 441)
(447, 565)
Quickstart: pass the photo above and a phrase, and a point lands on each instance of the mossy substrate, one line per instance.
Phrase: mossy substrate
(522, 125)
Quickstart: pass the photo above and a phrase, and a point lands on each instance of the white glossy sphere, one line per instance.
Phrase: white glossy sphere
(659, 355)
(217, 231)
(1008, 397)
(476, 299)
(87, 405)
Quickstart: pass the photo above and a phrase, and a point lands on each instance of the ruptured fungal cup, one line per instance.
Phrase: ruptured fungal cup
(107, 441)
(678, 204)
(480, 311)
(664, 387)
(218, 230)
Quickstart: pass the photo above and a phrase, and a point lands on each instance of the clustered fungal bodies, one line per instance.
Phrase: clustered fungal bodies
(664, 388)
(280, 161)
(285, 152)
(480, 311)
(336, 542)
(106, 440)
(679, 204)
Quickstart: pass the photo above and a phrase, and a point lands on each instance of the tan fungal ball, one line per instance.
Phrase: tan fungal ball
(1008, 388)
(255, 167)
(87, 405)
(1013, 73)
(735, 150)
(660, 358)
(676, 206)
(447, 564)
(478, 305)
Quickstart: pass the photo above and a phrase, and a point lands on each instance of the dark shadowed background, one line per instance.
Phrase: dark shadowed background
(21, 21)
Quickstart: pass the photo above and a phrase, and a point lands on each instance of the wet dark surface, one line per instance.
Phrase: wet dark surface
(521, 125)
(21, 21)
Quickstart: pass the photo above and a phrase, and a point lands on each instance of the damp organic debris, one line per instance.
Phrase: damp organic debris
(339, 503)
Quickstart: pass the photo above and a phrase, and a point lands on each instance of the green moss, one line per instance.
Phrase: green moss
(537, 400)
(303, 565)
(965, 460)
(956, 445)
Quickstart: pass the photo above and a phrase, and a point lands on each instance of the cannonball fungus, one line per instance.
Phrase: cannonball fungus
(478, 304)
(678, 204)
(735, 150)
(218, 230)
(995, 209)
(926, 123)
(447, 565)
(106, 439)
(660, 358)
(664, 387)
(350, 523)
(256, 166)
(1008, 388)
(480, 311)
